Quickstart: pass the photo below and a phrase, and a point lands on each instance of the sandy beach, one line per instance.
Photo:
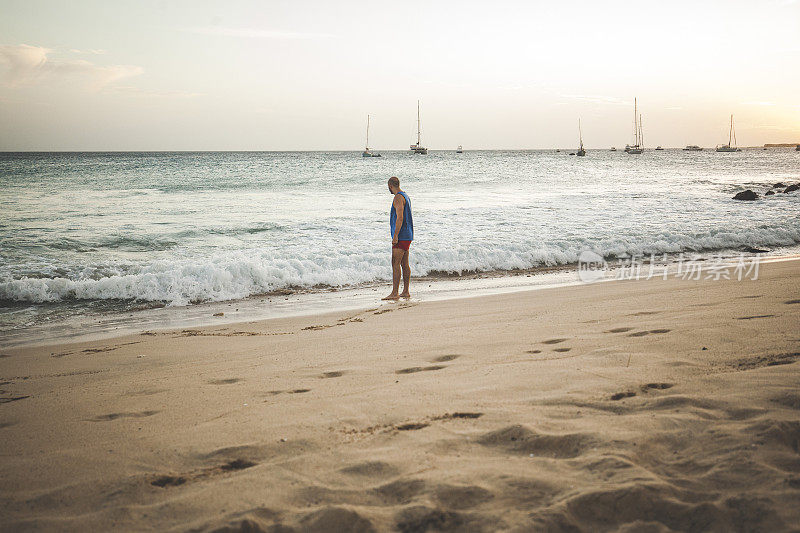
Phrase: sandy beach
(659, 405)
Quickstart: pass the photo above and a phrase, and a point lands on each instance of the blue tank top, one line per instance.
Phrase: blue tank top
(407, 229)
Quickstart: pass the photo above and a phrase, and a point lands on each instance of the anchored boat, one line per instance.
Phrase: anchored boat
(730, 147)
(367, 152)
(638, 143)
(418, 148)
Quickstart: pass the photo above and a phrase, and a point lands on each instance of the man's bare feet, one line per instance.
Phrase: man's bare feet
(405, 295)
(391, 297)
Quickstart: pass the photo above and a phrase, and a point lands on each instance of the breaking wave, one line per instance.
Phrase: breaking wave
(239, 274)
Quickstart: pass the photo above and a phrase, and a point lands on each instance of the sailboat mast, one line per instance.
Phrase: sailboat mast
(418, 127)
(730, 133)
(580, 133)
(641, 137)
(367, 147)
(635, 124)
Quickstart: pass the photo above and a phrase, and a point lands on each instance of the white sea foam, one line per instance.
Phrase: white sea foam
(239, 274)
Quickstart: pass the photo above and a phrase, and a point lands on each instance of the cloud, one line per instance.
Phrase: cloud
(95, 51)
(30, 65)
(137, 91)
(21, 61)
(253, 33)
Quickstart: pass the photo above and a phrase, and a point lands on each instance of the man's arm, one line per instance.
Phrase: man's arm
(398, 203)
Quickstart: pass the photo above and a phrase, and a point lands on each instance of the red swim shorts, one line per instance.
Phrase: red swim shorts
(403, 245)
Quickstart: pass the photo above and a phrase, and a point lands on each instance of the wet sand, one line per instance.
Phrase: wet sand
(637, 405)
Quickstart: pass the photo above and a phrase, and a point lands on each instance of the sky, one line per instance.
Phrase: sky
(304, 75)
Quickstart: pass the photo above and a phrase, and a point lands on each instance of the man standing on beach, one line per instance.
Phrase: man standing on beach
(401, 225)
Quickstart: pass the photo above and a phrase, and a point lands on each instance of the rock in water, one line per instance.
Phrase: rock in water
(792, 188)
(779, 185)
(769, 192)
(747, 195)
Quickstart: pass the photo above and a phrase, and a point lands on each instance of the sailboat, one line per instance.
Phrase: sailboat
(581, 151)
(367, 152)
(418, 148)
(459, 150)
(731, 136)
(638, 143)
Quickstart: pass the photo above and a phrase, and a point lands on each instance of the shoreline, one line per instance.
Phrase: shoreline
(653, 403)
(313, 301)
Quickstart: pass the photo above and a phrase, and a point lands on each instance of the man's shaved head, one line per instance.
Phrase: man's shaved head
(394, 182)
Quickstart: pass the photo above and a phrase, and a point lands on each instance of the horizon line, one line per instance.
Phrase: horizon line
(404, 150)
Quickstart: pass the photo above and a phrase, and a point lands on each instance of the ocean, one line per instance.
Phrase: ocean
(87, 236)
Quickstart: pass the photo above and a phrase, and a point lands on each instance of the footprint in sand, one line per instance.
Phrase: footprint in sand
(445, 358)
(754, 316)
(412, 426)
(767, 360)
(621, 395)
(645, 313)
(334, 374)
(415, 369)
(294, 391)
(648, 332)
(371, 469)
(115, 416)
(644, 388)
(146, 392)
(227, 381)
(451, 416)
(9, 399)
(789, 302)
(553, 341)
(527, 442)
(618, 330)
(656, 386)
(562, 350)
(169, 480)
(533, 351)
